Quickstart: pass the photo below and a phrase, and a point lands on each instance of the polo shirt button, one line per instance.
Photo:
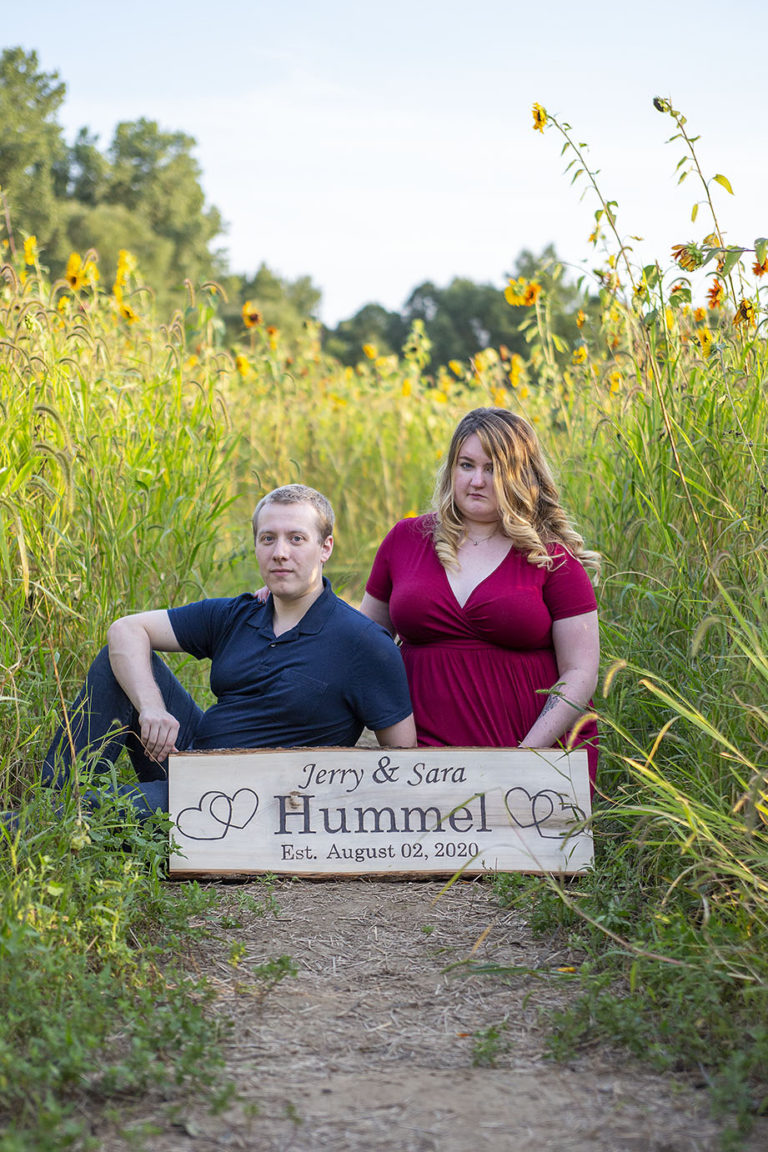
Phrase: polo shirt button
(273, 645)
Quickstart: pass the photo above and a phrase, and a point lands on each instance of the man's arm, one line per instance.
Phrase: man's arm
(131, 640)
(400, 735)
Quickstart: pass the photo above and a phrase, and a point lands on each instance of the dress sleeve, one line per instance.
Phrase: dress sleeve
(567, 589)
(379, 584)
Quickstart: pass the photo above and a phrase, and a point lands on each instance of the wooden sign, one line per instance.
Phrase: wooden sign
(374, 811)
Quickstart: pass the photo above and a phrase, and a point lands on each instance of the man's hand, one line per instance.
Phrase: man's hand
(158, 732)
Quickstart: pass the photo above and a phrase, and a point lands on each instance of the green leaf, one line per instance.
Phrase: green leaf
(694, 212)
(761, 248)
(724, 182)
(682, 296)
(651, 274)
(732, 258)
(558, 343)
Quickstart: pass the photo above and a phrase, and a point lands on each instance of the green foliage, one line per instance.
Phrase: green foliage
(32, 149)
(132, 457)
(154, 175)
(373, 325)
(284, 304)
(464, 318)
(95, 1005)
(144, 194)
(112, 486)
(666, 402)
(488, 1044)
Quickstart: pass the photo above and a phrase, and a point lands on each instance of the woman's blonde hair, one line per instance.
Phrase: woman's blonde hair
(529, 504)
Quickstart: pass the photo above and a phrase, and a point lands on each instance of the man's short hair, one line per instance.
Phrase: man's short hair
(299, 494)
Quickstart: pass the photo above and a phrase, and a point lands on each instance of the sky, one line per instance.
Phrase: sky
(374, 146)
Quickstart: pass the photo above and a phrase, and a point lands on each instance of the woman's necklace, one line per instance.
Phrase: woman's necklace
(480, 539)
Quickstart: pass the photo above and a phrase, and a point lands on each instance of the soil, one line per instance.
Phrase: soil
(385, 1040)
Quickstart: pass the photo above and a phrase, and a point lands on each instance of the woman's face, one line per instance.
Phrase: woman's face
(473, 492)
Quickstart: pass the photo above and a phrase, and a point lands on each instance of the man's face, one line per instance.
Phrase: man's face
(289, 551)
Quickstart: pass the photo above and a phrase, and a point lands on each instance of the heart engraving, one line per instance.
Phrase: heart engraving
(533, 811)
(216, 813)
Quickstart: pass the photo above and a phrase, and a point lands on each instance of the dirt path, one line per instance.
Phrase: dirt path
(373, 1045)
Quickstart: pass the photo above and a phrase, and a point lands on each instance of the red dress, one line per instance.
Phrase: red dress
(478, 674)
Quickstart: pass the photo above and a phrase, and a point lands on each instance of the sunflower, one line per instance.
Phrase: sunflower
(128, 313)
(758, 268)
(514, 293)
(74, 273)
(251, 315)
(705, 339)
(715, 294)
(687, 256)
(30, 250)
(539, 118)
(745, 313)
(580, 318)
(532, 293)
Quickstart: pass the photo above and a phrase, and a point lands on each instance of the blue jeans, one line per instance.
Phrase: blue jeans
(103, 721)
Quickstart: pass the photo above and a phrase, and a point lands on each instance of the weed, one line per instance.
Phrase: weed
(488, 1044)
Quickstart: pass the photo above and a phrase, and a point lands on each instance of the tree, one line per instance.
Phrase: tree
(373, 324)
(110, 227)
(87, 169)
(32, 149)
(283, 303)
(463, 318)
(154, 175)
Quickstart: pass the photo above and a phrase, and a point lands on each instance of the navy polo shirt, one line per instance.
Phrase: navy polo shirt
(320, 683)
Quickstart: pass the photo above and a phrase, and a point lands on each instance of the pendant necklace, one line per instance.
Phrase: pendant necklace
(480, 539)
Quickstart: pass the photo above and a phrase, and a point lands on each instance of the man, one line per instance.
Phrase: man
(299, 669)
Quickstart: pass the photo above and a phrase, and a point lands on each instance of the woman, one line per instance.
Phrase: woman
(491, 599)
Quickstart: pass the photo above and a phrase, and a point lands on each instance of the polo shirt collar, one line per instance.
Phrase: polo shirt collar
(313, 620)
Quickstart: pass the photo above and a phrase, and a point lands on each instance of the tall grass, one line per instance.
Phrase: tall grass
(670, 414)
(113, 470)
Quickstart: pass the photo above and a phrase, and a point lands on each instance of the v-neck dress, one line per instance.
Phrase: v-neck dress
(478, 673)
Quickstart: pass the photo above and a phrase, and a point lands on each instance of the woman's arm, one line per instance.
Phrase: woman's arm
(576, 641)
(378, 611)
